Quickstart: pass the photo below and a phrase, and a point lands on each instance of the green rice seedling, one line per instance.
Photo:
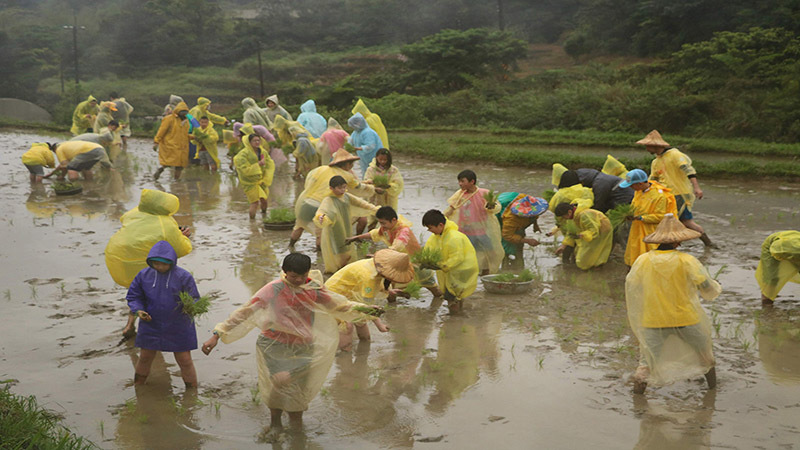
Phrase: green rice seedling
(33, 292)
(428, 258)
(280, 215)
(235, 271)
(491, 198)
(142, 418)
(381, 181)
(349, 147)
(363, 249)
(89, 286)
(570, 228)
(540, 362)
(7, 294)
(324, 392)
(102, 429)
(61, 287)
(130, 405)
(254, 397)
(413, 289)
(180, 409)
(505, 278)
(716, 275)
(217, 406)
(368, 310)
(526, 275)
(287, 149)
(192, 308)
(619, 214)
(215, 274)
(548, 194)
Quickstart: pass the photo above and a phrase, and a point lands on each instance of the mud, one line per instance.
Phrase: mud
(547, 370)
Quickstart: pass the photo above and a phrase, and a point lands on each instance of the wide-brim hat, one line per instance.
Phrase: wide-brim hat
(670, 231)
(343, 156)
(394, 265)
(653, 138)
(529, 206)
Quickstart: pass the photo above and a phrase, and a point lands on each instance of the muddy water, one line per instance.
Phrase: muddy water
(546, 370)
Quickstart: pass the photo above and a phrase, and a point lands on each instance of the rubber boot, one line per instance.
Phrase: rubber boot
(711, 378)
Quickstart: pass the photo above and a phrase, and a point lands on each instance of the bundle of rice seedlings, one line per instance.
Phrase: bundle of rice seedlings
(192, 308)
(522, 277)
(349, 147)
(363, 249)
(428, 257)
(619, 213)
(381, 181)
(505, 278)
(413, 289)
(280, 215)
(368, 310)
(548, 195)
(64, 185)
(570, 228)
(491, 199)
(526, 275)
(287, 149)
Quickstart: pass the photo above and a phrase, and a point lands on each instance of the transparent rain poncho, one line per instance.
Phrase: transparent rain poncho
(373, 120)
(390, 194)
(103, 118)
(253, 114)
(780, 262)
(594, 240)
(254, 178)
(201, 109)
(317, 187)
(276, 110)
(207, 138)
(331, 140)
(577, 194)
(359, 282)
(480, 225)
(366, 141)
(142, 227)
(459, 266)
(672, 169)
(298, 340)
(613, 167)
(558, 170)
(305, 152)
(80, 121)
(282, 128)
(335, 218)
(311, 120)
(173, 139)
(664, 311)
(401, 238)
(652, 205)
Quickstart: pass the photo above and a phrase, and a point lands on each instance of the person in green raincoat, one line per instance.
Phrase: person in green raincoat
(83, 116)
(593, 238)
(255, 170)
(202, 109)
(779, 264)
(253, 114)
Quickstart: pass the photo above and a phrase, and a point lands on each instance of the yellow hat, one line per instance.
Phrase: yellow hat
(670, 231)
(653, 138)
(393, 265)
(343, 156)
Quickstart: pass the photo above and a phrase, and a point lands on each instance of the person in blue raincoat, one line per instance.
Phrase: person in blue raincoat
(365, 140)
(311, 120)
(154, 297)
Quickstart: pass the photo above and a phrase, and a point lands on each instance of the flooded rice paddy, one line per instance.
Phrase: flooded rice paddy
(546, 370)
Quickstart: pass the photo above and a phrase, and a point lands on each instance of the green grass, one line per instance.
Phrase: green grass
(194, 309)
(24, 424)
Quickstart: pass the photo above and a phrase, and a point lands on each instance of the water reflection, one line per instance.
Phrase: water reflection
(779, 345)
(675, 425)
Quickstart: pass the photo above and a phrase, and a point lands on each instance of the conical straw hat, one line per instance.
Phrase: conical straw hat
(394, 265)
(671, 231)
(653, 138)
(343, 156)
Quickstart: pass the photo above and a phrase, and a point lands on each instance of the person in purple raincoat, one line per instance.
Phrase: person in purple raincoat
(154, 297)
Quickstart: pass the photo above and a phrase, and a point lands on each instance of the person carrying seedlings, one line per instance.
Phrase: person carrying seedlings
(78, 157)
(661, 296)
(605, 188)
(172, 142)
(457, 271)
(470, 209)
(386, 179)
(373, 120)
(274, 109)
(154, 297)
(331, 140)
(396, 233)
(365, 141)
(305, 152)
(779, 264)
(255, 170)
(142, 227)
(203, 109)
(366, 281)
(206, 138)
(673, 169)
(311, 120)
(651, 202)
(518, 212)
(169, 108)
(122, 115)
(253, 114)
(297, 318)
(594, 238)
(39, 156)
(334, 218)
(83, 116)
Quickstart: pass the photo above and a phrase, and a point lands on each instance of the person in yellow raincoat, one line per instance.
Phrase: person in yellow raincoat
(594, 238)
(661, 297)
(281, 129)
(143, 226)
(253, 114)
(469, 209)
(578, 194)
(202, 109)
(317, 187)
(274, 109)
(367, 281)
(296, 317)
(122, 115)
(104, 117)
(206, 138)
(389, 193)
(673, 169)
(457, 272)
(172, 141)
(779, 264)
(305, 151)
(39, 156)
(650, 202)
(612, 166)
(335, 219)
(255, 170)
(373, 120)
(78, 157)
(83, 116)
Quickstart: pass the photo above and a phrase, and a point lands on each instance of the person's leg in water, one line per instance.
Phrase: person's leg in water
(159, 171)
(142, 369)
(188, 372)
(263, 203)
(346, 338)
(296, 233)
(701, 343)
(87, 175)
(253, 209)
(687, 219)
(176, 175)
(453, 304)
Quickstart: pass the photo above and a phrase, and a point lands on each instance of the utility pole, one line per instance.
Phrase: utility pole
(500, 21)
(74, 28)
(260, 70)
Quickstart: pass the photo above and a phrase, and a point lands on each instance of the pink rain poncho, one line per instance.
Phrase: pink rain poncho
(480, 225)
(331, 140)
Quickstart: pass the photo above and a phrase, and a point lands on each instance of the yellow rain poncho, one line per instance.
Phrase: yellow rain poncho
(142, 227)
(207, 138)
(276, 110)
(577, 194)
(358, 281)
(305, 151)
(613, 167)
(298, 339)
(594, 240)
(83, 116)
(67, 151)
(317, 187)
(558, 170)
(39, 155)
(390, 194)
(103, 117)
(281, 129)
(459, 266)
(480, 225)
(123, 116)
(664, 311)
(652, 205)
(201, 109)
(373, 120)
(672, 169)
(254, 115)
(780, 262)
(173, 139)
(335, 218)
(254, 178)
(401, 238)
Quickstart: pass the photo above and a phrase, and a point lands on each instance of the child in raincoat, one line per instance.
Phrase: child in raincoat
(661, 296)
(143, 226)
(373, 120)
(334, 217)
(468, 208)
(255, 170)
(594, 238)
(388, 194)
(518, 212)
(202, 109)
(206, 137)
(605, 188)
(122, 115)
(458, 271)
(365, 141)
(311, 120)
(39, 156)
(172, 141)
(331, 140)
(298, 337)
(253, 114)
(78, 157)
(83, 116)
(305, 152)
(104, 117)
(366, 281)
(779, 264)
(169, 108)
(650, 202)
(274, 109)
(153, 296)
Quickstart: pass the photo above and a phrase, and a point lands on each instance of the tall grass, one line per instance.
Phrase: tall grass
(24, 424)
